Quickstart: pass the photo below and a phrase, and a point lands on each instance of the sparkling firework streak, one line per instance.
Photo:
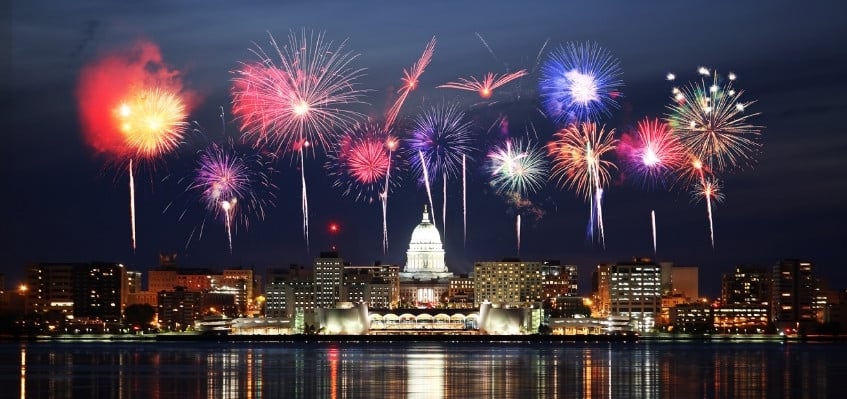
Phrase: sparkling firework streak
(578, 163)
(132, 108)
(486, 86)
(426, 181)
(652, 153)
(653, 222)
(709, 190)
(517, 169)
(712, 123)
(579, 81)
(297, 103)
(233, 187)
(410, 82)
(441, 137)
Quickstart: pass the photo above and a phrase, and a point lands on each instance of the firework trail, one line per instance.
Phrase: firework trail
(361, 164)
(579, 82)
(426, 181)
(652, 153)
(464, 202)
(709, 190)
(294, 100)
(233, 186)
(653, 222)
(441, 136)
(486, 86)
(577, 152)
(410, 82)
(711, 121)
(517, 169)
(132, 108)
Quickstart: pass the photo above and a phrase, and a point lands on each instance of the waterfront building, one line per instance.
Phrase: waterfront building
(510, 282)
(559, 280)
(378, 285)
(460, 291)
(635, 292)
(329, 277)
(793, 295)
(601, 299)
(133, 281)
(99, 291)
(50, 288)
(178, 309)
(287, 290)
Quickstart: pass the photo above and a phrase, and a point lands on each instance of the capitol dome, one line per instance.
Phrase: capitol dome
(425, 235)
(425, 257)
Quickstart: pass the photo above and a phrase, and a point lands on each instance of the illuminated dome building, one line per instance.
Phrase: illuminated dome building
(425, 278)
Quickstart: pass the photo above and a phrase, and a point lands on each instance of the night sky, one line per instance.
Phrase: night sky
(63, 203)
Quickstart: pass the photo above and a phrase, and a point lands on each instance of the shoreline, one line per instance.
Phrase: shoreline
(444, 338)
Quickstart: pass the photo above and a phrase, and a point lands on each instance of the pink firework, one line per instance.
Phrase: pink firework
(486, 86)
(362, 159)
(652, 152)
(296, 100)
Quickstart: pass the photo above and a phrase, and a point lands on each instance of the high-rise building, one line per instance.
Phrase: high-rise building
(559, 280)
(329, 277)
(100, 291)
(510, 282)
(746, 286)
(133, 280)
(635, 291)
(179, 308)
(289, 289)
(378, 285)
(50, 287)
(601, 280)
(793, 295)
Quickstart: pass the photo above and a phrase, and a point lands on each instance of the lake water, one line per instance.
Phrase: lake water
(423, 370)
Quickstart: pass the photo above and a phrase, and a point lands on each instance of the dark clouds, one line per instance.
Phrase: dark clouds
(789, 56)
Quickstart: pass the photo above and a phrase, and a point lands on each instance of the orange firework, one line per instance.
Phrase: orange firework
(486, 86)
(410, 82)
(152, 122)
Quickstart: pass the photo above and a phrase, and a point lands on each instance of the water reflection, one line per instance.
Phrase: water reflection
(424, 370)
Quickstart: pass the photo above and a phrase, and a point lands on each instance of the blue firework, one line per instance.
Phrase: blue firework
(442, 135)
(579, 82)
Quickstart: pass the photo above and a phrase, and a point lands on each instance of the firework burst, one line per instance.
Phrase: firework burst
(440, 138)
(410, 82)
(132, 108)
(652, 153)
(578, 164)
(517, 170)
(486, 86)
(712, 122)
(361, 160)
(297, 102)
(579, 81)
(233, 187)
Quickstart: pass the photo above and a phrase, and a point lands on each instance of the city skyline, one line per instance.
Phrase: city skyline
(70, 206)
